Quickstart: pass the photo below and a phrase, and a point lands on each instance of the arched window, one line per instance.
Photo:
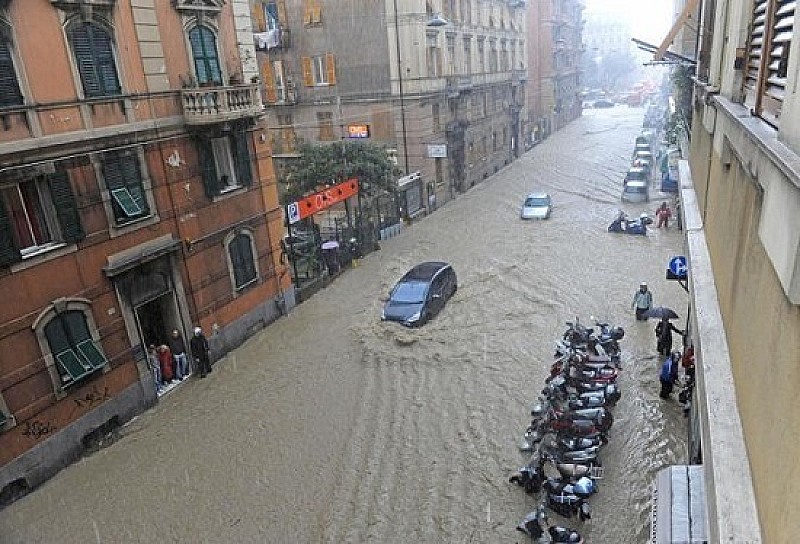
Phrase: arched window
(70, 341)
(204, 53)
(241, 256)
(94, 55)
(10, 94)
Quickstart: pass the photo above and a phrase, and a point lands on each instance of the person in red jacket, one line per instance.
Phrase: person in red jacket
(664, 214)
(167, 363)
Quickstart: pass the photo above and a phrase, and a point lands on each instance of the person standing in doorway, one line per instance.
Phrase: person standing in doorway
(178, 347)
(200, 351)
(167, 364)
(642, 301)
(155, 366)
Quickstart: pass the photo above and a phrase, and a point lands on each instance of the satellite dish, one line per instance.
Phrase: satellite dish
(437, 20)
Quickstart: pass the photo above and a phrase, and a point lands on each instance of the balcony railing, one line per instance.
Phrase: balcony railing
(207, 105)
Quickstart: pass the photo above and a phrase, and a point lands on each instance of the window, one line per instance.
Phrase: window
(772, 28)
(433, 56)
(466, 12)
(319, 70)
(74, 351)
(37, 215)
(92, 46)
(274, 77)
(241, 252)
(325, 122)
(312, 13)
(265, 16)
(468, 54)
(123, 180)
(437, 123)
(204, 53)
(451, 55)
(280, 81)
(492, 56)
(481, 56)
(10, 94)
(225, 162)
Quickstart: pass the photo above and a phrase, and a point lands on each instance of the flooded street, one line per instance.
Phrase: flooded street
(331, 426)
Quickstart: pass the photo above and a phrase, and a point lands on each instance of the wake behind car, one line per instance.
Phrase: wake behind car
(420, 294)
(537, 206)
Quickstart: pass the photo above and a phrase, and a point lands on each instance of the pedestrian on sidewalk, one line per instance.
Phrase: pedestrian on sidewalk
(178, 348)
(642, 301)
(200, 352)
(167, 364)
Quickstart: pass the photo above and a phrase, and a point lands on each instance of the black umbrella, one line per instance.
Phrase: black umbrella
(661, 312)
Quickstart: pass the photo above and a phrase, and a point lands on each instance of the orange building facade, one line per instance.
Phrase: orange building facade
(137, 196)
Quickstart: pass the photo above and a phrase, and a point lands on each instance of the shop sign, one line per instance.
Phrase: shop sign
(358, 131)
(437, 151)
(321, 200)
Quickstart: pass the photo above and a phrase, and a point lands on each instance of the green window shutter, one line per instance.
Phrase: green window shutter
(94, 54)
(241, 253)
(10, 94)
(204, 53)
(9, 253)
(123, 177)
(244, 174)
(66, 208)
(208, 169)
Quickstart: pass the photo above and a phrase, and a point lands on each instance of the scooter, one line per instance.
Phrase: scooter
(535, 523)
(560, 385)
(609, 339)
(630, 226)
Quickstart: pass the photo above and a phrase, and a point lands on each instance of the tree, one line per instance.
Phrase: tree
(321, 165)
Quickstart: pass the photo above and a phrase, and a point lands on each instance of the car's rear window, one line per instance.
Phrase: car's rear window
(536, 202)
(635, 188)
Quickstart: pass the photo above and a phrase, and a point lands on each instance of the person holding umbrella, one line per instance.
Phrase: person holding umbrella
(664, 330)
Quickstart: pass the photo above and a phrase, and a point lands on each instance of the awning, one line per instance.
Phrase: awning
(137, 255)
(689, 10)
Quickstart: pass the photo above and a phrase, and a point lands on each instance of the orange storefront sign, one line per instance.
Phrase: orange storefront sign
(321, 200)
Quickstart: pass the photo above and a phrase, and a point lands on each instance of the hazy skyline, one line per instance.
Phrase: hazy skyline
(650, 20)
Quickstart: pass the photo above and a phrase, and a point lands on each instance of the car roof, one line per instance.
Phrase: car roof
(425, 271)
(635, 184)
(537, 195)
(636, 170)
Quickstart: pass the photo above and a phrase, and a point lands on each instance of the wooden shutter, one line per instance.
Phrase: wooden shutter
(330, 67)
(121, 170)
(94, 54)
(9, 253)
(283, 18)
(308, 12)
(308, 72)
(269, 81)
(316, 13)
(777, 61)
(208, 170)
(10, 94)
(258, 16)
(66, 207)
(244, 174)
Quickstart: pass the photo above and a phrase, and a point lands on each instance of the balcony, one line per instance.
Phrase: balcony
(209, 105)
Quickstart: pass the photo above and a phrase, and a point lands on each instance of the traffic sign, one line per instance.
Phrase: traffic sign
(678, 268)
(293, 213)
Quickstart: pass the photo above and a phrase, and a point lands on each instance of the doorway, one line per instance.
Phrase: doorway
(156, 319)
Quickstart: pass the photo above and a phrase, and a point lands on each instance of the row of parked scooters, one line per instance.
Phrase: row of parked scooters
(569, 427)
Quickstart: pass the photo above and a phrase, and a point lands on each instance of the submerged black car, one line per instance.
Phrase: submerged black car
(420, 294)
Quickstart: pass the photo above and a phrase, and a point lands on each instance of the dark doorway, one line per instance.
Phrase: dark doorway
(157, 318)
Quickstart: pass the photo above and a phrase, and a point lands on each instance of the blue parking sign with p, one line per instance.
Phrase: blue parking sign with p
(293, 213)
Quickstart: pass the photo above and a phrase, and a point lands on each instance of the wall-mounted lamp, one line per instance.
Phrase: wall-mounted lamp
(437, 20)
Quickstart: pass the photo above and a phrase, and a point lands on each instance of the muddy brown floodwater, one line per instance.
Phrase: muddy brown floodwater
(331, 426)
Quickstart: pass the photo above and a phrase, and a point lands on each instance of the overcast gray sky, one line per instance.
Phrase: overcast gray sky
(650, 19)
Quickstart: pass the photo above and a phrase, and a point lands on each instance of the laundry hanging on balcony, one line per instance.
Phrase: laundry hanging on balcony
(268, 40)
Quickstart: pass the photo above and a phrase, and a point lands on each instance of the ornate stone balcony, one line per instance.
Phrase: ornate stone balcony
(208, 105)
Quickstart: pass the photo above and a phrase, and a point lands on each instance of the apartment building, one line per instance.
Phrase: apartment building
(438, 82)
(137, 196)
(555, 51)
(744, 188)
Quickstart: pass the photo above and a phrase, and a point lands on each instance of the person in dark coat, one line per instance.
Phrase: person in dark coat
(664, 330)
(178, 348)
(199, 346)
(669, 374)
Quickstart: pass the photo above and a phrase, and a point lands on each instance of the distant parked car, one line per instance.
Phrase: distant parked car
(603, 103)
(636, 191)
(536, 206)
(420, 294)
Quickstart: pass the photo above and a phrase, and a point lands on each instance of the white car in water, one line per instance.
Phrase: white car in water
(536, 206)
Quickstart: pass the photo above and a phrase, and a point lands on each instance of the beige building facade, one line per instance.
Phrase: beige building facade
(745, 151)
